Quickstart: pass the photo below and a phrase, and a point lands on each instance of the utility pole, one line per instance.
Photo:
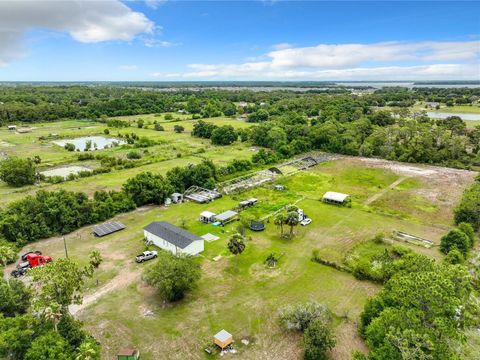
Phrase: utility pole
(65, 246)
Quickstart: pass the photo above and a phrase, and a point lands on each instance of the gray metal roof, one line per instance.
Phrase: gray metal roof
(171, 233)
(225, 215)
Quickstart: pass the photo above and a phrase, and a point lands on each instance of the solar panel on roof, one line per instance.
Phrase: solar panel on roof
(107, 228)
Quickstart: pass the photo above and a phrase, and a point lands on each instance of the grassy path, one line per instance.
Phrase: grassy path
(376, 196)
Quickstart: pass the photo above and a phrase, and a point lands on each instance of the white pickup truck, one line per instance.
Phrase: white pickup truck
(146, 255)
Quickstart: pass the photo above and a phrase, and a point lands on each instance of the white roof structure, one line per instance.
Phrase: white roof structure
(334, 196)
(225, 215)
(207, 214)
(223, 335)
(209, 237)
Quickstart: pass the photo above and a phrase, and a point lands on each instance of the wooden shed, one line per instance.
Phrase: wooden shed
(128, 354)
(223, 338)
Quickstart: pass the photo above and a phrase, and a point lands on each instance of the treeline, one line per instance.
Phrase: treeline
(468, 210)
(353, 131)
(60, 212)
(28, 103)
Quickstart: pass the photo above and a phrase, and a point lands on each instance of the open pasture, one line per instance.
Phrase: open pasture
(123, 311)
(170, 149)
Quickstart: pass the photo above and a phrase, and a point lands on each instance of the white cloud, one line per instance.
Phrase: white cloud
(128, 67)
(153, 42)
(155, 4)
(86, 21)
(382, 61)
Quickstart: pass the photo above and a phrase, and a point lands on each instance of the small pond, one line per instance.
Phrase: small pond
(64, 171)
(444, 115)
(96, 142)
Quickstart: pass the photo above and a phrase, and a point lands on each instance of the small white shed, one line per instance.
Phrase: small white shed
(336, 198)
(207, 217)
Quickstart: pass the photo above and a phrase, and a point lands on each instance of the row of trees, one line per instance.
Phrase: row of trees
(419, 140)
(48, 103)
(60, 212)
(469, 208)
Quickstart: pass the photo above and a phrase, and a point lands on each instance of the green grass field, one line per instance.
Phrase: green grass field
(171, 150)
(246, 302)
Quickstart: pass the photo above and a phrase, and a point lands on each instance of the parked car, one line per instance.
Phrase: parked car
(305, 221)
(146, 255)
(24, 256)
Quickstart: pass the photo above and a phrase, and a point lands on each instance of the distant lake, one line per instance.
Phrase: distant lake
(444, 115)
(100, 142)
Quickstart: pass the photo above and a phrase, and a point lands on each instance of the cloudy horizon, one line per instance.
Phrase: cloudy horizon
(284, 41)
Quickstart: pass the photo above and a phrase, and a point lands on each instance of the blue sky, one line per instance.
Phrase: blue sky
(239, 40)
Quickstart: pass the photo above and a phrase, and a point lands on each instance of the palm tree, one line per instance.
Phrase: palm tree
(86, 351)
(279, 221)
(236, 246)
(95, 261)
(292, 221)
(53, 313)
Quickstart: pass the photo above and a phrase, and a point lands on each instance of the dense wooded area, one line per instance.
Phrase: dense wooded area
(424, 305)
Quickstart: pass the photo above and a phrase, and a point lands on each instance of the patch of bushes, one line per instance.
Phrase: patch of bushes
(314, 321)
(318, 259)
(69, 147)
(133, 155)
(116, 123)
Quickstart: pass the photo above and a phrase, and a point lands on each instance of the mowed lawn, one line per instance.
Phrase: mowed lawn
(244, 302)
(171, 150)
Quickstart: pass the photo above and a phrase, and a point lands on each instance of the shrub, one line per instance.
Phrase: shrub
(168, 117)
(299, 317)
(178, 129)
(317, 340)
(455, 239)
(454, 257)
(14, 297)
(134, 155)
(468, 230)
(69, 147)
(158, 127)
(172, 276)
(140, 123)
(106, 132)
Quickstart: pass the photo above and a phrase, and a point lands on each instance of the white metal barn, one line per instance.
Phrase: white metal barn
(172, 238)
(333, 197)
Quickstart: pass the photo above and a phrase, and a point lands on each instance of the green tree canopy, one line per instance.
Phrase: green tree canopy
(18, 172)
(172, 276)
(317, 340)
(148, 188)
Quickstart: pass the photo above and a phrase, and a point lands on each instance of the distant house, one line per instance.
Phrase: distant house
(332, 197)
(242, 104)
(432, 105)
(12, 127)
(172, 238)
